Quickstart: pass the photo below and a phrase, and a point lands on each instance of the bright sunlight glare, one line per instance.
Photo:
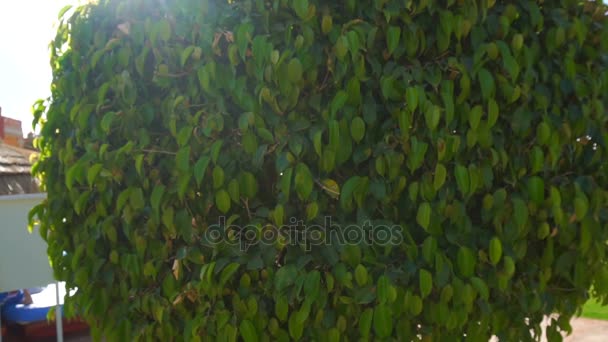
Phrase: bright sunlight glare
(26, 29)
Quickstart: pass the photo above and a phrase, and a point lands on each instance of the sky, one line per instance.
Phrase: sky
(26, 29)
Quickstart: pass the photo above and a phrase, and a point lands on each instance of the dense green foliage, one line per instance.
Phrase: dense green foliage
(477, 127)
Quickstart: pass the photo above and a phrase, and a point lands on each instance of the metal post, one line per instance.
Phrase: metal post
(58, 317)
(0, 323)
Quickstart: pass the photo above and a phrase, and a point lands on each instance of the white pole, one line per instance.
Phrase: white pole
(0, 325)
(58, 319)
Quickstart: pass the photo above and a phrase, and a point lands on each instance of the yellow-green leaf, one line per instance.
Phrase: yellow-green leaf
(440, 176)
(423, 217)
(495, 250)
(357, 129)
(222, 201)
(425, 282)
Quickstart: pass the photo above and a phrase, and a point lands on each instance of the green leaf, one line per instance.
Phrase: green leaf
(215, 150)
(139, 161)
(357, 129)
(439, 177)
(509, 266)
(312, 210)
(326, 24)
(338, 102)
(318, 142)
(218, 177)
(383, 289)
(93, 172)
(101, 97)
(348, 189)
(312, 284)
(361, 275)
(446, 294)
(393, 34)
(182, 159)
(543, 133)
(200, 168)
(481, 287)
(63, 11)
(248, 331)
(417, 154)
(136, 199)
(334, 134)
(520, 212)
(462, 179)
(243, 35)
(341, 47)
(281, 308)
(184, 136)
(294, 70)
(475, 117)
(429, 248)
(423, 217)
(466, 262)
(383, 321)
(234, 191)
(432, 116)
(286, 179)
(277, 215)
(295, 326)
(492, 113)
(365, 322)
(447, 96)
(248, 185)
(106, 121)
(581, 207)
(411, 98)
(301, 8)
(415, 305)
(425, 282)
(156, 197)
(509, 63)
(186, 54)
(227, 273)
(222, 201)
(265, 134)
(303, 181)
(183, 184)
(285, 277)
(164, 30)
(486, 83)
(536, 190)
(495, 250)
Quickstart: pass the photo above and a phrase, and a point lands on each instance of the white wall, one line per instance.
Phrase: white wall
(23, 259)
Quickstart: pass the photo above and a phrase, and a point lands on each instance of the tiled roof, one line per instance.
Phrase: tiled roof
(15, 168)
(14, 160)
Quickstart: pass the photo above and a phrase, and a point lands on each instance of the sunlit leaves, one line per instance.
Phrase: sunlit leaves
(471, 137)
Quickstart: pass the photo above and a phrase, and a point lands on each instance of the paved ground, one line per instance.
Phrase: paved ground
(583, 330)
(588, 330)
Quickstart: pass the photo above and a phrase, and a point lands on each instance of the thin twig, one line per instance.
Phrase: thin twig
(332, 191)
(159, 151)
(246, 203)
(181, 74)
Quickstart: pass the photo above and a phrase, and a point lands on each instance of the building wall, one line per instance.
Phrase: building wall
(23, 259)
(11, 131)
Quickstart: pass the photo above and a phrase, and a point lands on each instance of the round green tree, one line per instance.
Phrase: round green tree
(318, 170)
